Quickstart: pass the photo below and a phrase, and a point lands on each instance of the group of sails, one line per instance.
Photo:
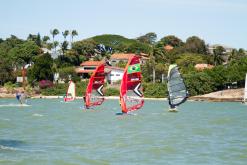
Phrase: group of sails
(131, 91)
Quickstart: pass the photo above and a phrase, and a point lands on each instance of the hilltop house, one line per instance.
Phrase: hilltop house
(201, 67)
(87, 67)
(168, 48)
(117, 57)
(114, 74)
(211, 48)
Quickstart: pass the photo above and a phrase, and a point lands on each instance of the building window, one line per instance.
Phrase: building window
(89, 68)
(111, 74)
(117, 74)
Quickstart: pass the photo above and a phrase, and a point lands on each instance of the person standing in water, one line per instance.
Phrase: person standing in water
(21, 97)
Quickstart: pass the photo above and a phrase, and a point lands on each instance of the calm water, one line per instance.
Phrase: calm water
(53, 132)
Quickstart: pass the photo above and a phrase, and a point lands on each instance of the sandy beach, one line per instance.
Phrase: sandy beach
(224, 95)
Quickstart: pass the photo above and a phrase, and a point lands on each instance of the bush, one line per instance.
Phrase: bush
(157, 90)
(112, 92)
(61, 89)
(199, 83)
(45, 84)
(9, 87)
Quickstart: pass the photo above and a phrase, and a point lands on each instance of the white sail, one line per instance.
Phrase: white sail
(71, 90)
(245, 89)
(70, 95)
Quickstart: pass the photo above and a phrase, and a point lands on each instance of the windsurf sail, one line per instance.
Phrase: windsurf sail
(176, 87)
(94, 95)
(131, 97)
(70, 95)
(245, 89)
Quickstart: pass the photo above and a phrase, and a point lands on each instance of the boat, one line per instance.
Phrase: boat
(131, 97)
(245, 90)
(94, 95)
(177, 91)
(70, 95)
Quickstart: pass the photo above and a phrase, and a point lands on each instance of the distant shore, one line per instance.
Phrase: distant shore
(229, 95)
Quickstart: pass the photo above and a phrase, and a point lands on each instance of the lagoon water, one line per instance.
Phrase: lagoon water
(56, 133)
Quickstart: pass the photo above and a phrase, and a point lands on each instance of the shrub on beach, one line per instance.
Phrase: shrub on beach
(157, 90)
(61, 89)
(112, 92)
(45, 84)
(9, 86)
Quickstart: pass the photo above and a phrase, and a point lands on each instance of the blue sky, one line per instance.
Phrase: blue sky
(215, 21)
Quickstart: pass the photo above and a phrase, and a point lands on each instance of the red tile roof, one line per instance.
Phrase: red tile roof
(113, 68)
(91, 63)
(121, 56)
(203, 66)
(168, 47)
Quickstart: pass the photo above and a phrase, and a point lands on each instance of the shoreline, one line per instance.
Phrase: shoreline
(229, 95)
(193, 98)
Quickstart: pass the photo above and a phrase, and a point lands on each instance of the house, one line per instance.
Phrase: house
(117, 57)
(168, 48)
(211, 48)
(87, 67)
(114, 74)
(201, 67)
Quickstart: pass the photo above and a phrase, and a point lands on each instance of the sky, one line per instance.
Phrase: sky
(214, 21)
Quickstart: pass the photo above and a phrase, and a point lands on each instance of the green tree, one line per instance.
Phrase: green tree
(45, 39)
(195, 45)
(148, 38)
(73, 34)
(54, 32)
(187, 61)
(38, 40)
(42, 68)
(218, 53)
(199, 83)
(170, 40)
(65, 34)
(84, 48)
(24, 53)
(55, 44)
(6, 71)
(64, 46)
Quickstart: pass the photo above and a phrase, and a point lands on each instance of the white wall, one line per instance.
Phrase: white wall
(115, 75)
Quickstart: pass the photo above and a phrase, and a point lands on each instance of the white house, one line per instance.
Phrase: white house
(114, 74)
(211, 48)
(87, 67)
(117, 57)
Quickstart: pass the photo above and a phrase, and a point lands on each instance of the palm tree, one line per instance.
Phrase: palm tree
(64, 46)
(152, 62)
(65, 34)
(55, 44)
(218, 53)
(73, 34)
(45, 39)
(54, 32)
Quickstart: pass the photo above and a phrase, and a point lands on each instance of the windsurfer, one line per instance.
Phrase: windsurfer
(21, 97)
(18, 96)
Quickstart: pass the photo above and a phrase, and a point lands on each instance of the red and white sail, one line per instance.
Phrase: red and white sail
(70, 95)
(131, 97)
(94, 95)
